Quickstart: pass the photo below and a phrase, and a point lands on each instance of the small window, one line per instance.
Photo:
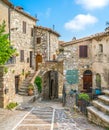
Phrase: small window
(100, 48)
(24, 27)
(22, 55)
(12, 60)
(38, 40)
(83, 51)
(32, 32)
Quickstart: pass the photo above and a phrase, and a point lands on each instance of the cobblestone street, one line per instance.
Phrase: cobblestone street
(44, 115)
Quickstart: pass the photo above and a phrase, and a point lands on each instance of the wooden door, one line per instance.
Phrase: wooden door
(38, 60)
(87, 82)
(17, 78)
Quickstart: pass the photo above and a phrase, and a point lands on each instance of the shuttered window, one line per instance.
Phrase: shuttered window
(38, 40)
(32, 33)
(24, 27)
(83, 51)
(22, 55)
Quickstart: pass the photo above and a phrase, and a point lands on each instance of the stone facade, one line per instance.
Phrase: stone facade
(96, 63)
(73, 62)
(46, 43)
(18, 66)
(4, 13)
(100, 56)
(52, 79)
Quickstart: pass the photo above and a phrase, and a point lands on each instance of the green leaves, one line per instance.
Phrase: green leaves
(6, 50)
(38, 82)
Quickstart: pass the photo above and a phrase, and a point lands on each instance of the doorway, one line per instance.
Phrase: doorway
(87, 81)
(17, 78)
(38, 60)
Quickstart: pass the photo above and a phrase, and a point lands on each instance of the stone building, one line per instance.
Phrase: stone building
(78, 64)
(46, 44)
(5, 7)
(100, 58)
(22, 38)
(34, 44)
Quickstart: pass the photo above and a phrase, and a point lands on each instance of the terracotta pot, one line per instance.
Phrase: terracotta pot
(30, 92)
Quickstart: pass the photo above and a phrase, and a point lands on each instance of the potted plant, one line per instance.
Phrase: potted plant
(83, 102)
(84, 96)
(30, 90)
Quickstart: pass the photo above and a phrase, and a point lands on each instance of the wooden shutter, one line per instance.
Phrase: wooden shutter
(82, 51)
(22, 55)
(38, 40)
(31, 55)
(24, 27)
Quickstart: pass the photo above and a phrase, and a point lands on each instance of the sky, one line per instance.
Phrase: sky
(70, 18)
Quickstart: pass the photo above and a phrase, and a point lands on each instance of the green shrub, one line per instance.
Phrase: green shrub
(38, 82)
(84, 96)
(11, 105)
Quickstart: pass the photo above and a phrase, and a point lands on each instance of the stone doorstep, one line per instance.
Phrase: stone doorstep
(101, 106)
(103, 117)
(104, 98)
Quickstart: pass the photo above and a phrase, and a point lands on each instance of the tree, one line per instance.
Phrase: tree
(6, 49)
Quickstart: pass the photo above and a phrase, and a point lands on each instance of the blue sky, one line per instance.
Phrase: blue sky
(72, 18)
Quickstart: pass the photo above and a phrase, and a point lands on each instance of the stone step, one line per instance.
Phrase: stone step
(98, 117)
(23, 93)
(106, 92)
(101, 106)
(23, 90)
(104, 99)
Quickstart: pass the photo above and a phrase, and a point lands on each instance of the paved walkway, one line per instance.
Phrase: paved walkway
(44, 115)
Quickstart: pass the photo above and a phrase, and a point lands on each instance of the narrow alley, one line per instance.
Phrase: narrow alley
(44, 115)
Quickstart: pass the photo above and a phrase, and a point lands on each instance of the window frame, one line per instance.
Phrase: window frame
(83, 51)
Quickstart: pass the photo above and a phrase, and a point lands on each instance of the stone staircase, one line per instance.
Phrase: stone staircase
(24, 85)
(99, 112)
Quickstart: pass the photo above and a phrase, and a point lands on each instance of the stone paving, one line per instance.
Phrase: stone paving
(44, 115)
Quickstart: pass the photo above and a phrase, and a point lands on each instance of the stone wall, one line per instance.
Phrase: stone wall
(101, 60)
(4, 11)
(49, 43)
(72, 61)
(1, 87)
(20, 41)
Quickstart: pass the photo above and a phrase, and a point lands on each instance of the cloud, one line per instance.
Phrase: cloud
(92, 4)
(80, 22)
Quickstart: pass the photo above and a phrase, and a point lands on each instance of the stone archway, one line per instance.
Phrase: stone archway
(50, 85)
(52, 77)
(87, 81)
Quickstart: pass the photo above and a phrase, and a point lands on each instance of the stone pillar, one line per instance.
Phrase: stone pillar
(1, 87)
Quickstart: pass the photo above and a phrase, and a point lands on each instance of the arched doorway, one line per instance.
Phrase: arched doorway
(51, 89)
(38, 60)
(98, 80)
(87, 80)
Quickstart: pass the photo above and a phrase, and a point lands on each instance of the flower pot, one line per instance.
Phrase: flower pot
(30, 92)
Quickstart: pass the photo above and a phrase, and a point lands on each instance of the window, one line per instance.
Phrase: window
(12, 60)
(31, 56)
(100, 48)
(24, 27)
(98, 80)
(32, 32)
(83, 51)
(21, 55)
(38, 40)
